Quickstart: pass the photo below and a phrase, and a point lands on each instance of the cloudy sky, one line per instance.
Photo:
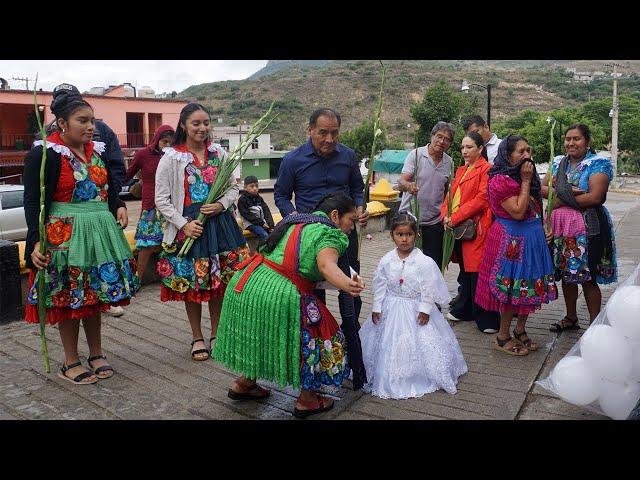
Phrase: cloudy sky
(160, 75)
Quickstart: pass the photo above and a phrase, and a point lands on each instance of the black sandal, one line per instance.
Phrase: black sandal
(78, 380)
(200, 350)
(565, 324)
(102, 369)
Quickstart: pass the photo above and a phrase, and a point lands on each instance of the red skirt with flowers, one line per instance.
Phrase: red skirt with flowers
(64, 312)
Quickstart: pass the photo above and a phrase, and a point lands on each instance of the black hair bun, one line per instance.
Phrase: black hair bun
(63, 95)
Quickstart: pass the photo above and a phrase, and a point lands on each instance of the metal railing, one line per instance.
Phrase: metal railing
(4, 179)
(23, 141)
(16, 141)
(134, 140)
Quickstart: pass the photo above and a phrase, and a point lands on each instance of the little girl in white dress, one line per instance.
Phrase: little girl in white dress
(408, 347)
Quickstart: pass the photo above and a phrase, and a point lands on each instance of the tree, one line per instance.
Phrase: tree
(360, 139)
(440, 103)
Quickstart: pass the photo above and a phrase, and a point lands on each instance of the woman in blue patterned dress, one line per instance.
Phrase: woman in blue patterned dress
(184, 177)
(584, 251)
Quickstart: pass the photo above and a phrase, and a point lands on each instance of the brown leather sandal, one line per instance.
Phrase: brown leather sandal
(254, 392)
(510, 347)
(321, 404)
(527, 342)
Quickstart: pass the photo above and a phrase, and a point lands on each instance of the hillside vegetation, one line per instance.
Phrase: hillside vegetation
(351, 87)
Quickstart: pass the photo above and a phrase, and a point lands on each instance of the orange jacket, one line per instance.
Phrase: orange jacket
(474, 204)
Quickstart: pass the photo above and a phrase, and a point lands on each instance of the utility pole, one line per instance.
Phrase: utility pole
(22, 80)
(614, 118)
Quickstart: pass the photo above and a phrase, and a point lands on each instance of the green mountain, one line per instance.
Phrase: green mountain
(351, 87)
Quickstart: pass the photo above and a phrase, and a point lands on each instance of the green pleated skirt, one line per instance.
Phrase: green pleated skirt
(259, 331)
(90, 263)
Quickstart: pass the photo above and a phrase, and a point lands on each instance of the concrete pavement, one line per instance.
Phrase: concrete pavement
(156, 379)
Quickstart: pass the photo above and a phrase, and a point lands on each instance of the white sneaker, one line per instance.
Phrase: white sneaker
(116, 311)
(490, 330)
(452, 318)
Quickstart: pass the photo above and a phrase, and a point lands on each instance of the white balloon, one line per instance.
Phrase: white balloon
(607, 351)
(618, 400)
(575, 381)
(635, 362)
(623, 311)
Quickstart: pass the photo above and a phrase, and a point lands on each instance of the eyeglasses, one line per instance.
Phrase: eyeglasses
(443, 138)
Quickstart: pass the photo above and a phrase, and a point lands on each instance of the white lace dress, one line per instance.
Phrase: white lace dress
(404, 359)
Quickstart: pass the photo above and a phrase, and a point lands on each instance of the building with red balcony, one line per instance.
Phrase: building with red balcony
(132, 118)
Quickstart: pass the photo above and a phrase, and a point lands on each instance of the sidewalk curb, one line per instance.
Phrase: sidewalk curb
(625, 190)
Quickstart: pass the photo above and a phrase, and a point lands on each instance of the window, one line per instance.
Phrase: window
(254, 144)
(256, 162)
(11, 199)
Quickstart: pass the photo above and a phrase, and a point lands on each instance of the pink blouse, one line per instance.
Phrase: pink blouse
(502, 187)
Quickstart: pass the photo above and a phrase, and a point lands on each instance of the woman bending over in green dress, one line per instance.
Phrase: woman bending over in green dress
(272, 326)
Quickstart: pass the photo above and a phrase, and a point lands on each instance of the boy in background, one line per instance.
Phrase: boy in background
(254, 211)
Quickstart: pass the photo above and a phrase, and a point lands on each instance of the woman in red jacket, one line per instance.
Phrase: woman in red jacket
(149, 230)
(470, 201)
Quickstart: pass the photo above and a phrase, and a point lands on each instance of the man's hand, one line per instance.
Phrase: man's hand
(412, 188)
(375, 317)
(363, 217)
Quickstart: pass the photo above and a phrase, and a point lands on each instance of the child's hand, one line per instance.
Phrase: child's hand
(375, 317)
(423, 318)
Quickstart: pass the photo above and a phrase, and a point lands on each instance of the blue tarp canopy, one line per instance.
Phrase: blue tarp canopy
(391, 161)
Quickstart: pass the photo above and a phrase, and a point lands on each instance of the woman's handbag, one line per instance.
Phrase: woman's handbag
(465, 231)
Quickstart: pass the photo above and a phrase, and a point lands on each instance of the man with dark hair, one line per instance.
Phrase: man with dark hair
(112, 152)
(475, 123)
(320, 166)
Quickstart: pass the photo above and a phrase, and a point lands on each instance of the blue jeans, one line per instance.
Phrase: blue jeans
(258, 231)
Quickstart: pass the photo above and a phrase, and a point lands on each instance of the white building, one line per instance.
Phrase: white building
(231, 137)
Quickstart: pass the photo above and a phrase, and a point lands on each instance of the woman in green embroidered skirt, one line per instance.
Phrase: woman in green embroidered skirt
(88, 266)
(272, 326)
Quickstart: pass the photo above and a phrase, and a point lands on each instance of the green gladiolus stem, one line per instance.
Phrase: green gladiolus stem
(40, 284)
(549, 185)
(372, 161)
